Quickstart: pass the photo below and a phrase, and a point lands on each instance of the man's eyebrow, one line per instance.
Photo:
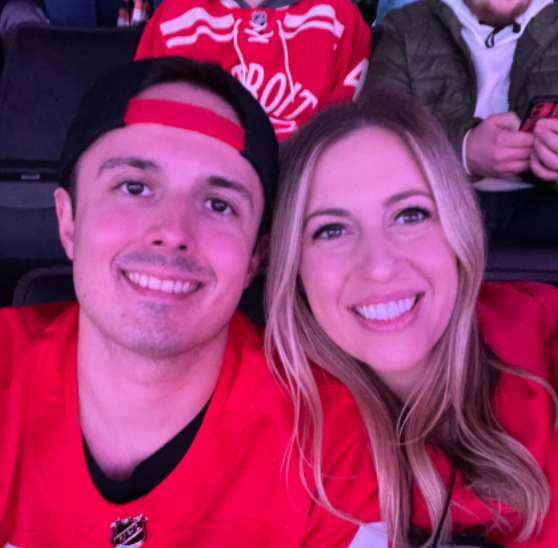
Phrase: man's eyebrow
(221, 182)
(407, 194)
(332, 211)
(129, 161)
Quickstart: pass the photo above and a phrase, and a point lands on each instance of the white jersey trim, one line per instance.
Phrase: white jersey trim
(187, 40)
(372, 535)
(321, 10)
(191, 17)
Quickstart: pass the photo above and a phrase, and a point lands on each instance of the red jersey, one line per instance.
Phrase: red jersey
(295, 58)
(519, 323)
(233, 488)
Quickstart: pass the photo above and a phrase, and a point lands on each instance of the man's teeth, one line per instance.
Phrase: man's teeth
(386, 311)
(156, 284)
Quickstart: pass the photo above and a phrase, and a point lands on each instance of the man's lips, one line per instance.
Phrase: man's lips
(166, 285)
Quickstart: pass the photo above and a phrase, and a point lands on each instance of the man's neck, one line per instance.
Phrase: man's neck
(130, 405)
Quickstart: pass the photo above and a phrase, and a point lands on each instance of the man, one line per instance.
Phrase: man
(477, 64)
(147, 414)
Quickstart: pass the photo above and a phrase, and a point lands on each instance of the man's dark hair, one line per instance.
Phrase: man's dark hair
(103, 108)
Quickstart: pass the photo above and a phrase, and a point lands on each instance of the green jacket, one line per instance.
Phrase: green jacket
(422, 51)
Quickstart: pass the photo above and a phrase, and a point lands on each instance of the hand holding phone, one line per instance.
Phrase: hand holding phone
(495, 148)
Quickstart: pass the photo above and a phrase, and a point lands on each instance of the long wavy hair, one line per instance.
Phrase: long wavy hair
(452, 406)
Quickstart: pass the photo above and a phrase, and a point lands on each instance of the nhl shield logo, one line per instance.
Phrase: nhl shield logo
(259, 18)
(129, 532)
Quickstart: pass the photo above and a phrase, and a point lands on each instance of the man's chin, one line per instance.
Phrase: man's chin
(489, 15)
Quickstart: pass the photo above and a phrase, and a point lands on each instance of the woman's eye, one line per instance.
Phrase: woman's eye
(329, 232)
(412, 216)
(218, 206)
(135, 188)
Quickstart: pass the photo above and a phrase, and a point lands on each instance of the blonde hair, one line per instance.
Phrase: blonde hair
(453, 404)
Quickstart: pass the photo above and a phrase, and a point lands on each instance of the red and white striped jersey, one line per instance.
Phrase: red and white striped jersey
(295, 59)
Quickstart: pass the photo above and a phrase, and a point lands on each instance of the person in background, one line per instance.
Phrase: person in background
(294, 57)
(384, 6)
(477, 65)
(375, 275)
(14, 13)
(76, 13)
(133, 13)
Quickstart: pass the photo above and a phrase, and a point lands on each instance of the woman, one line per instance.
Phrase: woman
(377, 258)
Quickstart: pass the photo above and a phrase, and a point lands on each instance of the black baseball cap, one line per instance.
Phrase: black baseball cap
(104, 108)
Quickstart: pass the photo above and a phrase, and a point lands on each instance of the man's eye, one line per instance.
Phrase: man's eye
(218, 206)
(135, 188)
(329, 232)
(413, 216)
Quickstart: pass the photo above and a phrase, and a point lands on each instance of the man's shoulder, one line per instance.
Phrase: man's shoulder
(170, 9)
(28, 322)
(20, 328)
(344, 9)
(415, 15)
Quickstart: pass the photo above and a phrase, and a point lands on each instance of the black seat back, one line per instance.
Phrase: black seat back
(46, 72)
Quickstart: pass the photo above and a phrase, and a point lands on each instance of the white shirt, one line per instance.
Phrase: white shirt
(492, 67)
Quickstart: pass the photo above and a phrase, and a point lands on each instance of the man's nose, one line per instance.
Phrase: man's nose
(171, 229)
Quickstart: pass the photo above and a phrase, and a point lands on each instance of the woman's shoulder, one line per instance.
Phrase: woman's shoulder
(519, 322)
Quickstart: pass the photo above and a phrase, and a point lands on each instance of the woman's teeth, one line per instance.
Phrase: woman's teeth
(156, 284)
(386, 311)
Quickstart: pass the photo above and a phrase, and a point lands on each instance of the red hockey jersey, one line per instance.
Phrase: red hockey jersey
(233, 488)
(519, 323)
(295, 58)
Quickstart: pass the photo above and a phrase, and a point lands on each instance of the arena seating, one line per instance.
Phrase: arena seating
(45, 73)
(84, 13)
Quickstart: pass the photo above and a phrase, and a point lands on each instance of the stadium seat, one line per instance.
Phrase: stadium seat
(512, 264)
(46, 71)
(44, 285)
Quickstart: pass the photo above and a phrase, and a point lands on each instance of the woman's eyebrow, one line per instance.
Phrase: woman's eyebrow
(333, 211)
(406, 194)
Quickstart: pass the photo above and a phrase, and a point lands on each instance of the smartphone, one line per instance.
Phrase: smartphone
(540, 107)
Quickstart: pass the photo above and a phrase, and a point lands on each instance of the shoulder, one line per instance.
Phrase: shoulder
(519, 321)
(28, 321)
(344, 12)
(22, 332)
(519, 306)
(245, 333)
(171, 9)
(412, 16)
(20, 328)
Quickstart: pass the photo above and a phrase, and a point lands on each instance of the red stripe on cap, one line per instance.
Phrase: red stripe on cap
(185, 116)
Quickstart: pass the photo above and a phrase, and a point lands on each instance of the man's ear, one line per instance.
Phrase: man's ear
(65, 215)
(261, 250)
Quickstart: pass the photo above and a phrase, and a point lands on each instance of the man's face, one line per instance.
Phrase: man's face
(165, 229)
(498, 12)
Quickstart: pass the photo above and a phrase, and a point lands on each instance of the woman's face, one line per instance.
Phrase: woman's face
(379, 274)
